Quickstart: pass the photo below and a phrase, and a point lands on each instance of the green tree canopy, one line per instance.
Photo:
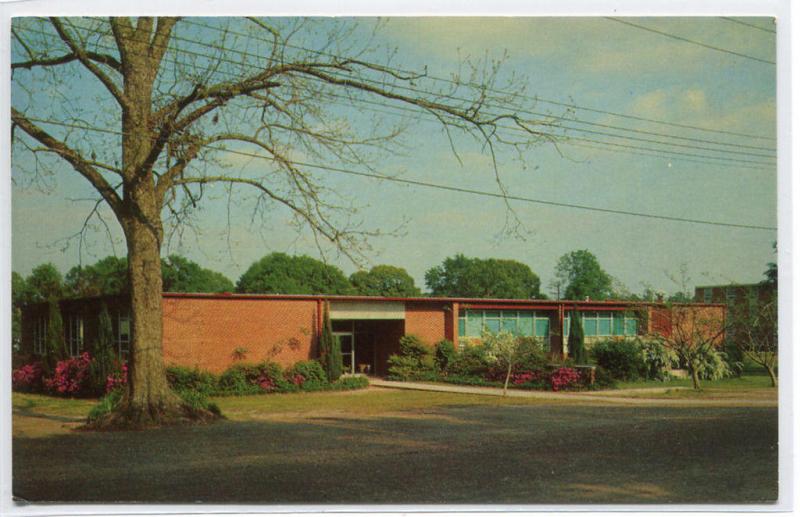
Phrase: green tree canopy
(482, 278)
(285, 274)
(44, 283)
(384, 280)
(106, 276)
(181, 275)
(581, 273)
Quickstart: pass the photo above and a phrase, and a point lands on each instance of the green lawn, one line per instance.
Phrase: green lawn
(743, 383)
(385, 446)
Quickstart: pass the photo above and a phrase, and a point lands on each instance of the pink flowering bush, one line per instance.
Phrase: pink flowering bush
(297, 379)
(265, 382)
(117, 379)
(71, 376)
(563, 378)
(527, 376)
(28, 377)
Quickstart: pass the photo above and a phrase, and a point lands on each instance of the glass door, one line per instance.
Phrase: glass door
(347, 346)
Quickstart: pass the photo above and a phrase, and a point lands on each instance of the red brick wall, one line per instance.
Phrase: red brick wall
(427, 320)
(205, 332)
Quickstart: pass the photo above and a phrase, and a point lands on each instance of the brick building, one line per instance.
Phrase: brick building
(212, 331)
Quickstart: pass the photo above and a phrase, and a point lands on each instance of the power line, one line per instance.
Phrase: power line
(457, 189)
(687, 40)
(534, 98)
(518, 129)
(494, 90)
(617, 147)
(754, 26)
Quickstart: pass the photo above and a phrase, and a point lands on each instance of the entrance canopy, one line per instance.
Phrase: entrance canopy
(367, 310)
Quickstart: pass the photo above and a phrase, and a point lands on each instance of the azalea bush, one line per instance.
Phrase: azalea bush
(564, 378)
(118, 379)
(72, 377)
(28, 377)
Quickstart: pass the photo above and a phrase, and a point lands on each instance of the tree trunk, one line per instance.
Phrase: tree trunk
(508, 376)
(695, 377)
(149, 399)
(772, 377)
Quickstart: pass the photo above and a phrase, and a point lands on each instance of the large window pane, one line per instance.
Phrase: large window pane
(474, 323)
(510, 324)
(542, 327)
(590, 324)
(604, 325)
(619, 324)
(525, 326)
(631, 326)
(462, 326)
(492, 325)
(566, 326)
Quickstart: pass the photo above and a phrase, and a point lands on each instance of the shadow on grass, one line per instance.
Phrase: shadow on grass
(475, 454)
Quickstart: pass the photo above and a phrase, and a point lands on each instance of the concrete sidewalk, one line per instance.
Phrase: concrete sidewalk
(595, 396)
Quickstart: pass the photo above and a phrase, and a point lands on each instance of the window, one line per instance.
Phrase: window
(707, 294)
(521, 323)
(605, 323)
(123, 335)
(39, 335)
(75, 335)
(730, 294)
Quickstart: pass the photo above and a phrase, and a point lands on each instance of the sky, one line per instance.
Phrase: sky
(586, 71)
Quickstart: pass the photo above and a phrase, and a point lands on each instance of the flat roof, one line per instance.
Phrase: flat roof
(421, 299)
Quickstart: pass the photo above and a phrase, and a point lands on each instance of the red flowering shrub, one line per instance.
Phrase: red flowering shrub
(297, 379)
(265, 382)
(564, 378)
(71, 377)
(27, 377)
(527, 376)
(117, 379)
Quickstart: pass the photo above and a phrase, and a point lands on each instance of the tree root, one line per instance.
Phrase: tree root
(129, 416)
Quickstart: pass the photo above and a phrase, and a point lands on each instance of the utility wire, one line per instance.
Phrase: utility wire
(518, 129)
(493, 90)
(740, 22)
(687, 40)
(451, 188)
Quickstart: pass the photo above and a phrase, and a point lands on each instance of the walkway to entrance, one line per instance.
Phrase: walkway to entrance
(613, 397)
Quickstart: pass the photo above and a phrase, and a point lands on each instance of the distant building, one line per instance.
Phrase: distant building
(734, 294)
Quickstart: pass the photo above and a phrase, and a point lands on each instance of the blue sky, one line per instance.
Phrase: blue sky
(593, 63)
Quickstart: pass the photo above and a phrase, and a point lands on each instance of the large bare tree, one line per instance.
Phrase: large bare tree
(146, 109)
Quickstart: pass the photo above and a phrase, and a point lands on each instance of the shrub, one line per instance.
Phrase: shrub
(603, 378)
(103, 356)
(623, 359)
(330, 350)
(564, 378)
(658, 359)
(248, 379)
(532, 354)
(470, 361)
(105, 405)
(71, 377)
(28, 378)
(575, 345)
(311, 371)
(198, 401)
(415, 361)
(350, 383)
(191, 379)
(711, 364)
(735, 357)
(445, 352)
(117, 379)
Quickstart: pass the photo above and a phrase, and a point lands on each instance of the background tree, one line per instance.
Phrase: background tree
(181, 275)
(384, 280)
(146, 110)
(19, 293)
(330, 352)
(695, 336)
(55, 347)
(103, 352)
(575, 345)
(771, 274)
(284, 274)
(43, 284)
(581, 273)
(106, 276)
(482, 278)
(753, 329)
